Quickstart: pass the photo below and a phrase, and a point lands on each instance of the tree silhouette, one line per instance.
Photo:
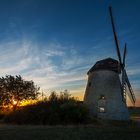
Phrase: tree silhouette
(13, 90)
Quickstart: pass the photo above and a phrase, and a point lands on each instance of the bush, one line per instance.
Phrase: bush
(73, 113)
(56, 110)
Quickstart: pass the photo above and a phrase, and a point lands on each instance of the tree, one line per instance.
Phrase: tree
(13, 90)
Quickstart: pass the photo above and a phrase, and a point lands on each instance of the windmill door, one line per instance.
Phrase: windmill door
(101, 106)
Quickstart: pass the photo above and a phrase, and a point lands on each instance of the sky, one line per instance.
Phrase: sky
(55, 42)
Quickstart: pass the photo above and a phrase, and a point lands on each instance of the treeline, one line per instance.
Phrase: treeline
(56, 109)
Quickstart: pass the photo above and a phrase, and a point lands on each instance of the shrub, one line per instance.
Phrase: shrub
(56, 110)
(73, 113)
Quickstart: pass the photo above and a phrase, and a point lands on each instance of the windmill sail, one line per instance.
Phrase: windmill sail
(115, 35)
(125, 80)
(124, 75)
(130, 93)
(124, 55)
(123, 85)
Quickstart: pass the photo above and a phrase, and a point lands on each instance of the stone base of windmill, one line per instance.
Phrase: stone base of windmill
(103, 96)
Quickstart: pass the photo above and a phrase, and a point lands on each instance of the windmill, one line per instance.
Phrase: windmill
(105, 93)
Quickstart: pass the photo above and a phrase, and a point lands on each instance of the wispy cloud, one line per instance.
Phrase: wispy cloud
(67, 71)
(26, 59)
(54, 49)
(135, 70)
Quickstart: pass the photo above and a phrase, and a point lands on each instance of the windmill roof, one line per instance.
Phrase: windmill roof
(106, 64)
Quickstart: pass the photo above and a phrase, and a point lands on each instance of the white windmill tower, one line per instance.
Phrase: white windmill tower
(105, 93)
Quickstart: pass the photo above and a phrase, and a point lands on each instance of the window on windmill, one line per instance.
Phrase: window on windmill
(102, 104)
(89, 84)
(102, 97)
(101, 109)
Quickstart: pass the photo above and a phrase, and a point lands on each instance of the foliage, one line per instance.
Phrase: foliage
(134, 111)
(73, 112)
(13, 90)
(57, 109)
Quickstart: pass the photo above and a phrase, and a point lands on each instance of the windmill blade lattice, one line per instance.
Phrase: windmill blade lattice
(130, 93)
(123, 85)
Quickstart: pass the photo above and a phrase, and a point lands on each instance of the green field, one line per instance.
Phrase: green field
(8, 132)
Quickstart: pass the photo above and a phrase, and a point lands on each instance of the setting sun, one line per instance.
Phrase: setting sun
(14, 102)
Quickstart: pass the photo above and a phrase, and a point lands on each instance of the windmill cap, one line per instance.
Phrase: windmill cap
(106, 64)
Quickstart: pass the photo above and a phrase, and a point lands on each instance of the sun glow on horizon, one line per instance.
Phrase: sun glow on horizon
(14, 102)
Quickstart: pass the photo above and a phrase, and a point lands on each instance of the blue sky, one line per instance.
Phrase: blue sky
(55, 42)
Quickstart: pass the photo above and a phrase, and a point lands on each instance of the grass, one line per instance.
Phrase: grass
(8, 132)
(100, 131)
